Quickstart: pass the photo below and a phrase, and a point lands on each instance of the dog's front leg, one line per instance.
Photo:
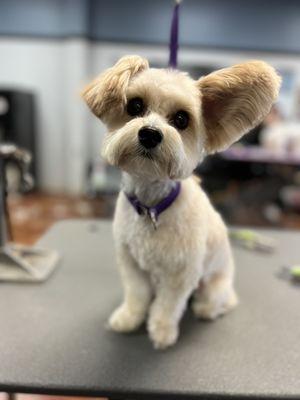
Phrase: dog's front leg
(137, 294)
(167, 309)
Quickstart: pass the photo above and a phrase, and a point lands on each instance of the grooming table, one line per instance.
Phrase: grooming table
(53, 338)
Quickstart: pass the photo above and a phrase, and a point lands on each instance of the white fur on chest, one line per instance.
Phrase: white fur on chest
(189, 245)
(180, 237)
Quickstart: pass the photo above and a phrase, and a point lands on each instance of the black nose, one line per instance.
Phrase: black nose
(150, 137)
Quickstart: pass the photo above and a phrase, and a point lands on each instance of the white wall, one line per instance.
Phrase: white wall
(56, 70)
(76, 118)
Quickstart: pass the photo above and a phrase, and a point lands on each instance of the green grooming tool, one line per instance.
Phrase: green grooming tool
(290, 273)
(252, 240)
(295, 272)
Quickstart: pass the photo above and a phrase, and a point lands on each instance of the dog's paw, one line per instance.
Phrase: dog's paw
(210, 310)
(122, 320)
(162, 333)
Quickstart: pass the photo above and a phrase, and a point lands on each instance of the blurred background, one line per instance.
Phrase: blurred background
(50, 48)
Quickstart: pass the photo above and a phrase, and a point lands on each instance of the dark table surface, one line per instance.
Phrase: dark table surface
(53, 338)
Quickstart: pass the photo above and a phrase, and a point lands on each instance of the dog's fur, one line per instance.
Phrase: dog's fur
(189, 253)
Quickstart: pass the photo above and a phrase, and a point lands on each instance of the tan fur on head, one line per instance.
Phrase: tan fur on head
(108, 90)
(221, 107)
(236, 99)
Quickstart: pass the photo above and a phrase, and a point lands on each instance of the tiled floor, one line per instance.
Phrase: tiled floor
(32, 214)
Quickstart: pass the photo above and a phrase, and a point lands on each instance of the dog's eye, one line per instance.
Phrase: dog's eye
(135, 107)
(181, 120)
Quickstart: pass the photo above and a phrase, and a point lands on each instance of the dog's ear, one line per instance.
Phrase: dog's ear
(234, 100)
(108, 90)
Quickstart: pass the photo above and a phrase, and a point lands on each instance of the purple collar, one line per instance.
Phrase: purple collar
(156, 210)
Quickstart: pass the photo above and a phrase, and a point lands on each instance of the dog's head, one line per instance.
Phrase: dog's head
(161, 122)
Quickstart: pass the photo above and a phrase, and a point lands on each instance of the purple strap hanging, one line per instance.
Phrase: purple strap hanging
(174, 36)
(165, 203)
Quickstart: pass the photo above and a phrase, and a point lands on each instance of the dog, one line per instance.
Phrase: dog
(171, 245)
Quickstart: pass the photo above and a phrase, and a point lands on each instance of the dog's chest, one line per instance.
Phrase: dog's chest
(178, 240)
(150, 247)
(146, 243)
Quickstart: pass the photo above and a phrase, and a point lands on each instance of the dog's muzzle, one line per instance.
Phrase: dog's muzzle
(150, 137)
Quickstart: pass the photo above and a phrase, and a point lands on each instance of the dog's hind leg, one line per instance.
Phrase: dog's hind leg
(137, 295)
(216, 295)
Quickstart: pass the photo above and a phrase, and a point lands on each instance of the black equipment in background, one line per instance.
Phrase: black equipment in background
(17, 121)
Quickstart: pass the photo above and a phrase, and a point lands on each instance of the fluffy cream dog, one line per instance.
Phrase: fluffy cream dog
(160, 125)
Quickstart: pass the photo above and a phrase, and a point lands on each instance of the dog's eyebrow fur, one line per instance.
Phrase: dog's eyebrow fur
(166, 98)
(108, 89)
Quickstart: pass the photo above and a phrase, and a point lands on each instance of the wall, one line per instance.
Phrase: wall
(44, 18)
(18, 69)
(272, 25)
(54, 71)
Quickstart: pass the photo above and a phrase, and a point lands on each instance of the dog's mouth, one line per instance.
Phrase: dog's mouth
(145, 154)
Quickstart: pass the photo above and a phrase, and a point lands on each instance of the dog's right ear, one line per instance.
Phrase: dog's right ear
(108, 90)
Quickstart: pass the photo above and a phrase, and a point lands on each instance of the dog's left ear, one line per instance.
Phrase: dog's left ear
(107, 92)
(234, 100)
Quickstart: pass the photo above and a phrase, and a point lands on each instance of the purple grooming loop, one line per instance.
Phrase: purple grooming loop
(174, 36)
(155, 211)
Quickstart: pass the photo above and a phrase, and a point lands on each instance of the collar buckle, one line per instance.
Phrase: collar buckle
(155, 211)
(153, 217)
